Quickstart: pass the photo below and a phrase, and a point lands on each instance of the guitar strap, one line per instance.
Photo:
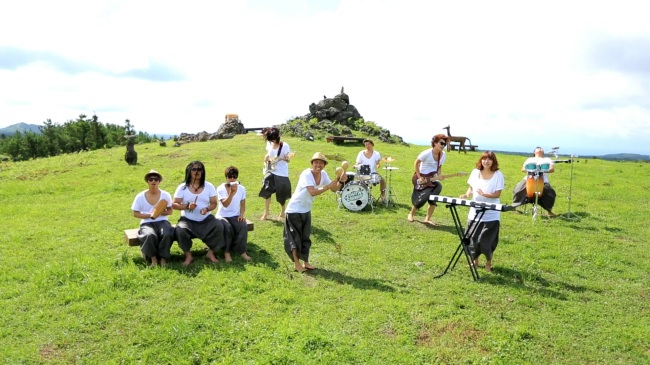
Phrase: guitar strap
(437, 162)
(280, 148)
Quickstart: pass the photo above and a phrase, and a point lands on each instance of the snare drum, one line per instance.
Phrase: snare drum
(354, 196)
(531, 167)
(545, 167)
(534, 185)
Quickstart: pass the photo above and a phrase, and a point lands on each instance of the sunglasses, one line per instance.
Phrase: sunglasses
(442, 143)
(231, 176)
(153, 179)
(197, 169)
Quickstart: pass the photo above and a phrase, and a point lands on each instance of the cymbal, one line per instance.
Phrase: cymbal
(336, 157)
(388, 159)
(391, 168)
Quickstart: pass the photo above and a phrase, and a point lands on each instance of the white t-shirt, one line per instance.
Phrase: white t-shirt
(202, 200)
(301, 201)
(140, 204)
(539, 161)
(282, 166)
(429, 164)
(372, 161)
(233, 209)
(497, 182)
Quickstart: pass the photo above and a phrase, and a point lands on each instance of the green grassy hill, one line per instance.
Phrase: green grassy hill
(561, 291)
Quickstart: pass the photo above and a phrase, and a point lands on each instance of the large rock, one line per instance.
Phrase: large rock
(337, 109)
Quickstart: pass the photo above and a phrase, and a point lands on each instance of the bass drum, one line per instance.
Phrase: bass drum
(354, 196)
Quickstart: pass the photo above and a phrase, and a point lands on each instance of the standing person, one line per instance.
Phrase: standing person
(485, 185)
(276, 178)
(232, 207)
(428, 172)
(196, 198)
(372, 158)
(297, 226)
(547, 199)
(156, 234)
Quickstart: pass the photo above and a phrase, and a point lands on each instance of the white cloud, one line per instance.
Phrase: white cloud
(504, 73)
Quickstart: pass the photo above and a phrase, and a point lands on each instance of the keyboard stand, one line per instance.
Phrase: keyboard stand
(464, 236)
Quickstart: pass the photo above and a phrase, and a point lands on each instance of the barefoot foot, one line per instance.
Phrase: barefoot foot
(264, 216)
(299, 268)
(210, 256)
(228, 257)
(188, 260)
(246, 257)
(309, 267)
(410, 217)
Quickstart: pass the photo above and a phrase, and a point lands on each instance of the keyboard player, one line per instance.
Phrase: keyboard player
(486, 183)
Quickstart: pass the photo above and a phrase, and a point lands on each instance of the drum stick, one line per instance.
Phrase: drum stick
(195, 199)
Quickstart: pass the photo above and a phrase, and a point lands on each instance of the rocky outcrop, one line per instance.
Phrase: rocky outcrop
(337, 109)
(227, 130)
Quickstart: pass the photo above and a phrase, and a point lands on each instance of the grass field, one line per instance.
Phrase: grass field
(561, 292)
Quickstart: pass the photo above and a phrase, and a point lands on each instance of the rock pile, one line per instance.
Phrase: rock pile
(228, 130)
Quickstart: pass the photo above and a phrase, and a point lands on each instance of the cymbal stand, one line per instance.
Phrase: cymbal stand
(390, 195)
(569, 215)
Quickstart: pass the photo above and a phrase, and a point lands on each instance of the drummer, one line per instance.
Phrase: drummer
(371, 158)
(547, 199)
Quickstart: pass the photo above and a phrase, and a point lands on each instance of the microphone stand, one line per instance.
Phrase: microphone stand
(569, 215)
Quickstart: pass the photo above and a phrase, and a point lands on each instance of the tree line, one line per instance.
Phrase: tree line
(83, 134)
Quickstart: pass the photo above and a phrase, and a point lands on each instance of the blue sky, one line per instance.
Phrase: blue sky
(510, 75)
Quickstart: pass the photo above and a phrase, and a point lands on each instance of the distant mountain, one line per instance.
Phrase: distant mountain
(625, 157)
(20, 127)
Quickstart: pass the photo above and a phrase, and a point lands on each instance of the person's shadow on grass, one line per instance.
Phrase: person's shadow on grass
(530, 281)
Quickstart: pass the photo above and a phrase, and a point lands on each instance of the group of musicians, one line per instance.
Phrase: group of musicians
(227, 230)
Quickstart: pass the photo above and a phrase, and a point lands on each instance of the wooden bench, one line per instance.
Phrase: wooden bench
(131, 235)
(456, 146)
(342, 139)
(253, 129)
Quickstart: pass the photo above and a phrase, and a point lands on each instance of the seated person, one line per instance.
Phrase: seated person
(547, 199)
(232, 206)
(371, 158)
(196, 198)
(156, 234)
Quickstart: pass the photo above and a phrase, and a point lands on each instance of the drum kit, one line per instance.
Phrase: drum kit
(535, 184)
(356, 194)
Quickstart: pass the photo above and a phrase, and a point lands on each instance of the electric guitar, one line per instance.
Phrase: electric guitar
(430, 178)
(270, 165)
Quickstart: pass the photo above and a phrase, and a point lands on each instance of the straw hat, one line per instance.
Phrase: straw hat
(318, 156)
(152, 172)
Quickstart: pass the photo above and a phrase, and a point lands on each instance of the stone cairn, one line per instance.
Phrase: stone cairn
(337, 109)
(131, 157)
